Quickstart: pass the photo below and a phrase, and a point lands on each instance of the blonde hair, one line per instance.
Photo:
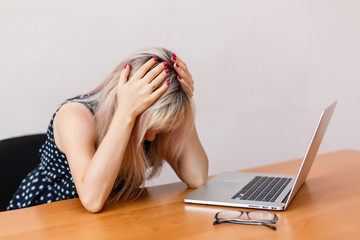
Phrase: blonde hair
(171, 116)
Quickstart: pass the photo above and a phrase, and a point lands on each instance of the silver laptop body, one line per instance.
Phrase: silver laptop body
(259, 190)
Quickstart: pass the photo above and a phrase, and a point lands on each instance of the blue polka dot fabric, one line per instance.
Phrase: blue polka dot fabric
(50, 181)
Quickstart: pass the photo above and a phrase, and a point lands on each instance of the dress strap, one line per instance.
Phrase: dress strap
(91, 104)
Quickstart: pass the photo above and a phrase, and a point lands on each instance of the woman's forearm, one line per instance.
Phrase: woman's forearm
(101, 173)
(192, 168)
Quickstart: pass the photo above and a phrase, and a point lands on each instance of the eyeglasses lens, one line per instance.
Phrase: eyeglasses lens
(261, 215)
(229, 214)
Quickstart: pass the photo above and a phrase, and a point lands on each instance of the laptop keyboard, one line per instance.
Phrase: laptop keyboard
(265, 189)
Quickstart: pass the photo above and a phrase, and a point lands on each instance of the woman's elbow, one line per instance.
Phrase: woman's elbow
(92, 205)
(92, 208)
(195, 183)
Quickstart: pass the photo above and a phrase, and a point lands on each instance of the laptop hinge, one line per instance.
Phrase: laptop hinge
(286, 198)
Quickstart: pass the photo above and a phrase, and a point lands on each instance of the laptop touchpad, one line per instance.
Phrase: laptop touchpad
(222, 184)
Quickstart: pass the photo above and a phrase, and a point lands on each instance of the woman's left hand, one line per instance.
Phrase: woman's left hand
(184, 76)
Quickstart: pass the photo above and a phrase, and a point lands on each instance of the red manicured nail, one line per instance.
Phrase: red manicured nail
(126, 66)
(167, 71)
(179, 77)
(165, 64)
(155, 59)
(167, 83)
(173, 57)
(176, 65)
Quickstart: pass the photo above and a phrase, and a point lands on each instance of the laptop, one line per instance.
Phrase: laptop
(259, 190)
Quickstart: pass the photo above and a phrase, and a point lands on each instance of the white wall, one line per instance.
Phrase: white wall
(263, 69)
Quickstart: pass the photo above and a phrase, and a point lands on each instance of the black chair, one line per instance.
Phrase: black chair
(18, 156)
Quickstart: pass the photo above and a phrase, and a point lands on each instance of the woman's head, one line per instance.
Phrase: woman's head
(169, 112)
(166, 123)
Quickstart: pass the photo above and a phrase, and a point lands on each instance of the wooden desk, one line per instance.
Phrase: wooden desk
(326, 207)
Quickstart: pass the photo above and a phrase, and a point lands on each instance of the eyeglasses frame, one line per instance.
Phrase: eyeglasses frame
(247, 221)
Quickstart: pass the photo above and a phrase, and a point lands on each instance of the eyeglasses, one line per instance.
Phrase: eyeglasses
(262, 218)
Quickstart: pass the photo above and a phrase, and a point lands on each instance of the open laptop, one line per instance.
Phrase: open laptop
(259, 190)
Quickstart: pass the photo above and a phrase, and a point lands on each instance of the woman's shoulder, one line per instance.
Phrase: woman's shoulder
(74, 108)
(75, 112)
(74, 121)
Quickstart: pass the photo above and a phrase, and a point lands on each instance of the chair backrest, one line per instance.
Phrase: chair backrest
(18, 156)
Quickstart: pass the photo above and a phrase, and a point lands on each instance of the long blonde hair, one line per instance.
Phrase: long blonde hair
(171, 116)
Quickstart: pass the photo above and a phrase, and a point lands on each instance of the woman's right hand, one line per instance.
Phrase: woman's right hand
(139, 92)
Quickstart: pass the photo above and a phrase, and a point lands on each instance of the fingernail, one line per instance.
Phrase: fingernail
(155, 59)
(126, 66)
(165, 64)
(167, 83)
(179, 77)
(167, 71)
(173, 57)
(176, 65)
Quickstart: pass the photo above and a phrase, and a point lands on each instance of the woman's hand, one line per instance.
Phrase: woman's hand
(138, 93)
(184, 77)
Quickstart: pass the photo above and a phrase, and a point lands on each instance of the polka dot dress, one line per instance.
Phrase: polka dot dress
(50, 181)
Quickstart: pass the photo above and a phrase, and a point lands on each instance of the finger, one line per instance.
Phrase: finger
(185, 76)
(144, 68)
(181, 71)
(179, 61)
(160, 78)
(150, 76)
(188, 89)
(180, 64)
(181, 68)
(158, 92)
(124, 74)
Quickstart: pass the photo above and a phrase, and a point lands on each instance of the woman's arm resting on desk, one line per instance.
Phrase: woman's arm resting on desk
(94, 171)
(192, 168)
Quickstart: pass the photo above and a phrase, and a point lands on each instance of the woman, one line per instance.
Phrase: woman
(108, 142)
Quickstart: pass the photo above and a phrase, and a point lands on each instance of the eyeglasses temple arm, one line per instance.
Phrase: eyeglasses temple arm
(248, 223)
